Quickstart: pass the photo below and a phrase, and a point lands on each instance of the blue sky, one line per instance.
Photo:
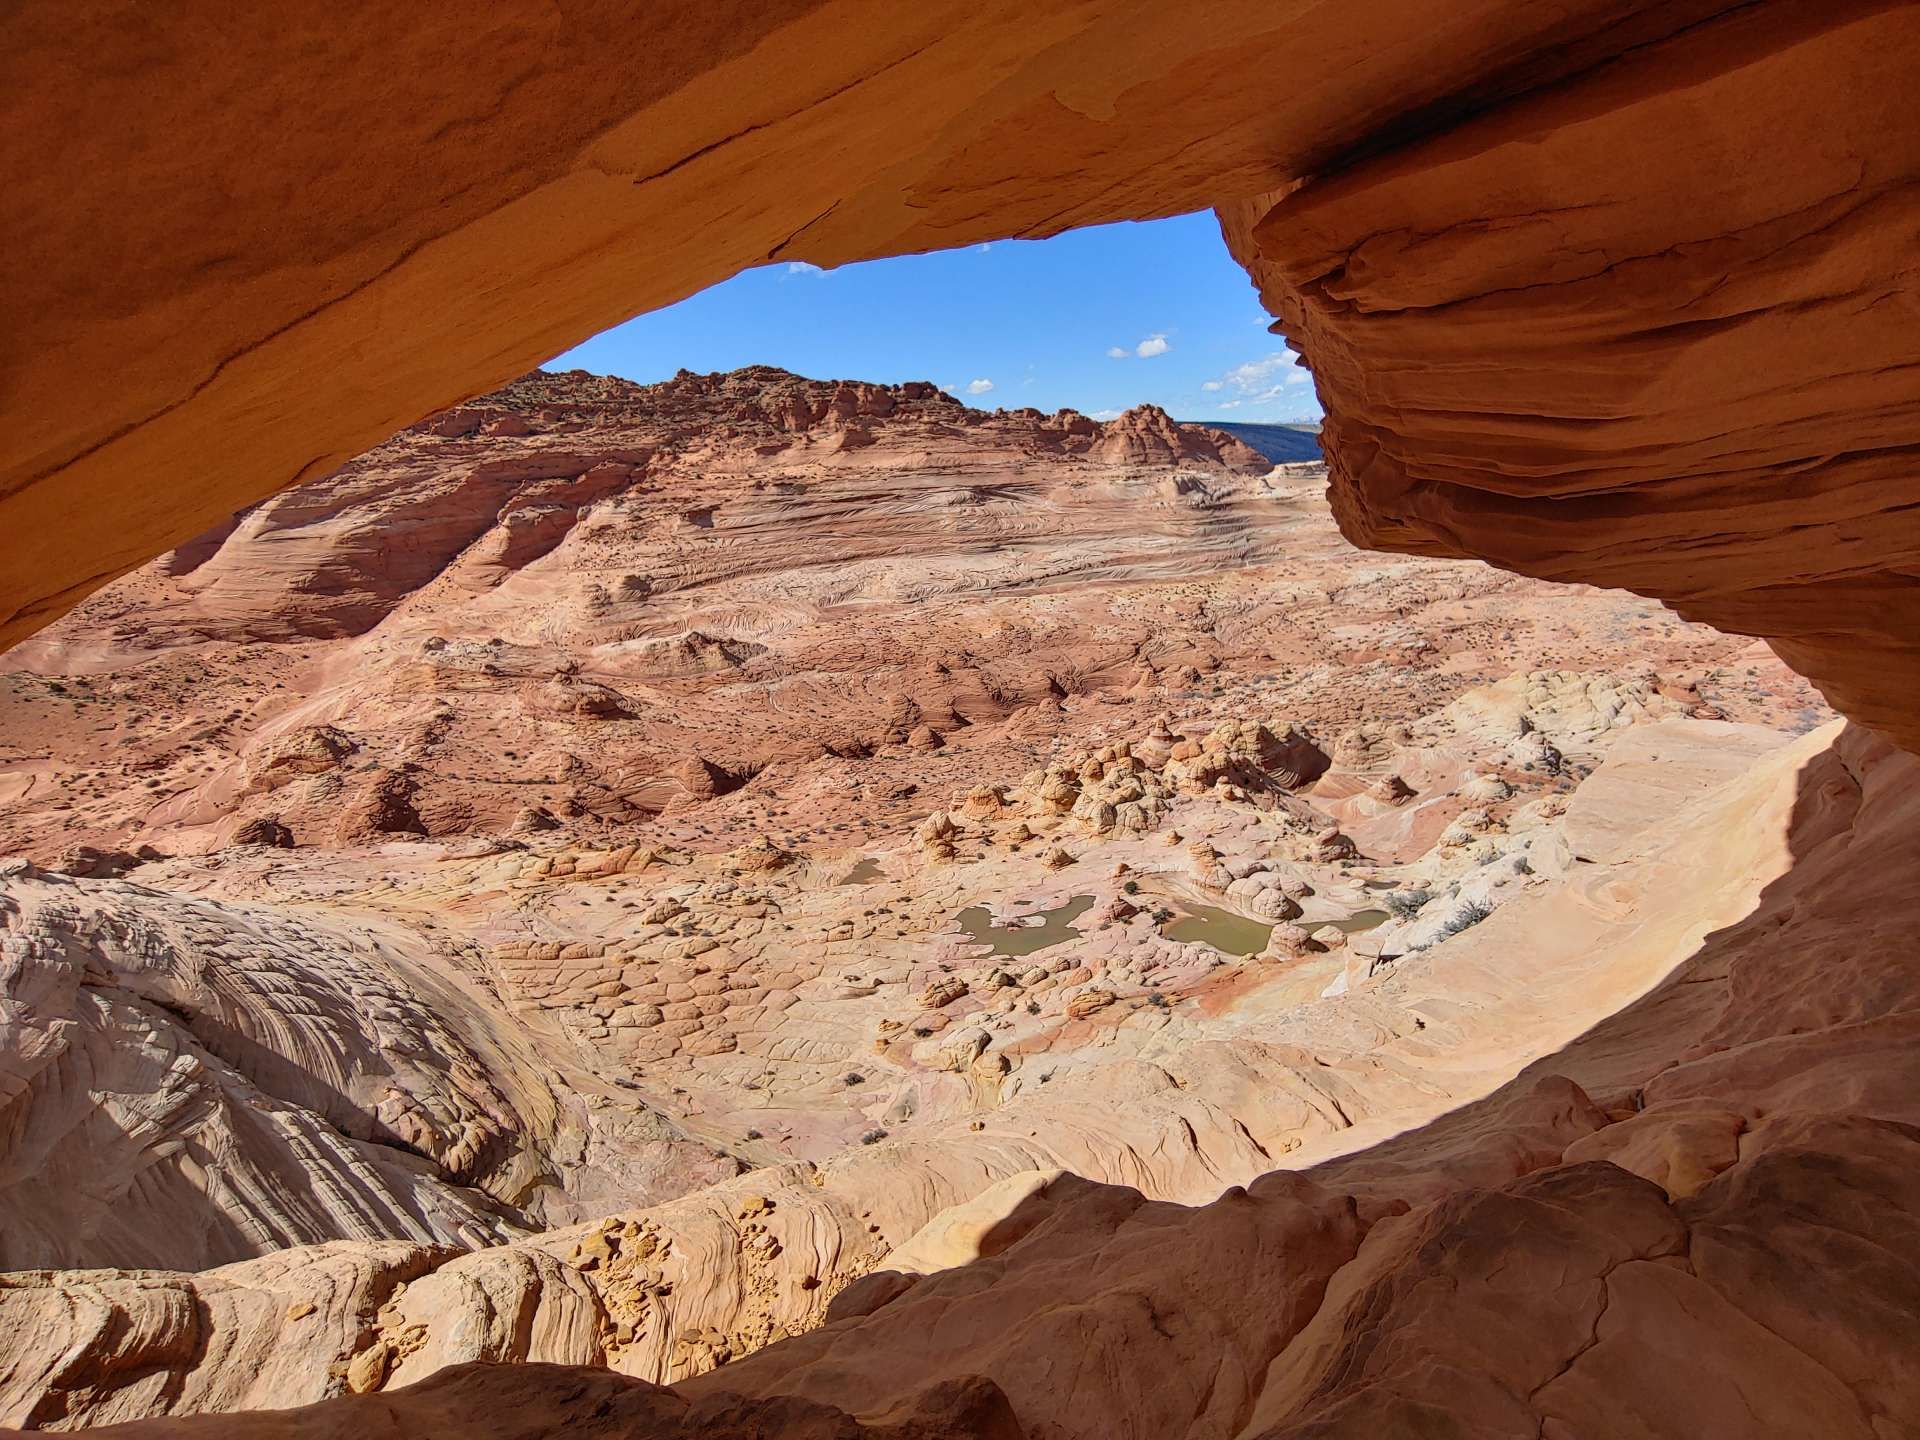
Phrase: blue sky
(1097, 319)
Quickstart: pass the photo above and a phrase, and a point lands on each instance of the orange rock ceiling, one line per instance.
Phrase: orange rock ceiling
(1610, 290)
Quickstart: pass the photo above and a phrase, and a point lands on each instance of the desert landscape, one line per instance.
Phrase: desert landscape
(662, 862)
(782, 906)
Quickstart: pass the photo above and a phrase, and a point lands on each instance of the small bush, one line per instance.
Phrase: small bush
(1405, 904)
(873, 1137)
(853, 1077)
(1465, 918)
(1132, 887)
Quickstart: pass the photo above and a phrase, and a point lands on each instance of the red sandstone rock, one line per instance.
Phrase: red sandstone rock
(1584, 332)
(1439, 346)
(1587, 337)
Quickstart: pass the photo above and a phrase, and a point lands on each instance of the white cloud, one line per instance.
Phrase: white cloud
(1105, 415)
(979, 387)
(801, 267)
(1151, 346)
(1114, 352)
(983, 249)
(1266, 387)
(1257, 374)
(1262, 379)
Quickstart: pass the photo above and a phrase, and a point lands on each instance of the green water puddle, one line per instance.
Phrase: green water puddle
(1233, 934)
(1056, 925)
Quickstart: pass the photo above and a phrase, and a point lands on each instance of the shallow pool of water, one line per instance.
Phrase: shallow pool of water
(1233, 934)
(1358, 922)
(1009, 940)
(1225, 931)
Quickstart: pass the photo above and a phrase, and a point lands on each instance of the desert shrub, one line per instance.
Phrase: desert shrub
(873, 1137)
(1465, 918)
(1405, 904)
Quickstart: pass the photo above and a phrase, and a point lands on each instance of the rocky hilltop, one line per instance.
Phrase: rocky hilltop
(586, 601)
(531, 603)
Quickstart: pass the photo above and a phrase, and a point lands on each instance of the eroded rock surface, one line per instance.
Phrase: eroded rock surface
(1587, 336)
(1182, 850)
(726, 613)
(1689, 1168)
(1544, 297)
(189, 1082)
(1609, 291)
(868, 876)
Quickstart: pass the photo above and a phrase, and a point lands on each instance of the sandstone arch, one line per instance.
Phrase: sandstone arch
(246, 246)
(1610, 290)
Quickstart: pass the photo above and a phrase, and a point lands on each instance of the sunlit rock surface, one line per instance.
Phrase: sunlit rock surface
(1566, 311)
(1594, 335)
(1676, 1150)
(1609, 291)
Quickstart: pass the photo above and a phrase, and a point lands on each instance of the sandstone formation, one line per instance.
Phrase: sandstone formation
(819, 133)
(376, 656)
(172, 1063)
(1608, 1166)
(1583, 335)
(589, 1002)
(1613, 291)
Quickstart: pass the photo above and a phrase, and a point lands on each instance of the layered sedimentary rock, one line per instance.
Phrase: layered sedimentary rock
(1614, 291)
(583, 602)
(463, 1042)
(188, 1083)
(1721, 1162)
(1607, 333)
(1498, 198)
(583, 597)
